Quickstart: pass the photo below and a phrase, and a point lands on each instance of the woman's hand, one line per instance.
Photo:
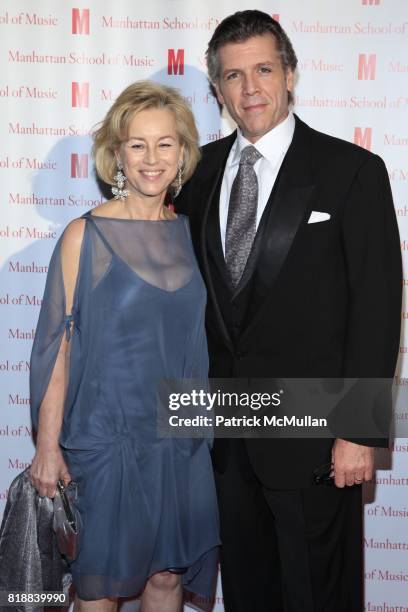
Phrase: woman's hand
(47, 468)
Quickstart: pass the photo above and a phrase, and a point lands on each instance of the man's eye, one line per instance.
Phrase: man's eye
(231, 76)
(265, 69)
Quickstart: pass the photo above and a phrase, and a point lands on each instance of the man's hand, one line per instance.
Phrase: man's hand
(352, 463)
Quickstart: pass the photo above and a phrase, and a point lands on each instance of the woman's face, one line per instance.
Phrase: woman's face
(152, 152)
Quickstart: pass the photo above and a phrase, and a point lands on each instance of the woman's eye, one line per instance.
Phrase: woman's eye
(138, 147)
(165, 145)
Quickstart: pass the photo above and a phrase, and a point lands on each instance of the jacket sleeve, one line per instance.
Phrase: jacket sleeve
(183, 201)
(373, 260)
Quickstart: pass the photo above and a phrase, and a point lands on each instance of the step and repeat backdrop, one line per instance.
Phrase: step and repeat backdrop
(63, 64)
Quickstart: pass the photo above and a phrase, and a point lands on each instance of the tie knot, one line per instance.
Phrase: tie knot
(249, 155)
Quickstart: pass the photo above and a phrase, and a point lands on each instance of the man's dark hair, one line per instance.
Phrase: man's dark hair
(241, 26)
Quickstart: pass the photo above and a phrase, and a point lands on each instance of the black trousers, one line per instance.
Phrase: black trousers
(297, 550)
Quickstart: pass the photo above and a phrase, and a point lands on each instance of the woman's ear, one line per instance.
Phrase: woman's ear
(117, 157)
(181, 157)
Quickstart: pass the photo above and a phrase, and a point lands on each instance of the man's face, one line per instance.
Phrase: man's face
(253, 85)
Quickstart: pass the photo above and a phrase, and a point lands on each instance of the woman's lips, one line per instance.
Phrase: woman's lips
(151, 175)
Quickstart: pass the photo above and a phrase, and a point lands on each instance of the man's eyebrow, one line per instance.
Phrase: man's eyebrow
(257, 65)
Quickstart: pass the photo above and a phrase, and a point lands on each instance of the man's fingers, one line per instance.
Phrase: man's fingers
(347, 478)
(339, 479)
(353, 464)
(350, 481)
(350, 478)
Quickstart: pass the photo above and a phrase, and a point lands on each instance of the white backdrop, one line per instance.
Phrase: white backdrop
(62, 64)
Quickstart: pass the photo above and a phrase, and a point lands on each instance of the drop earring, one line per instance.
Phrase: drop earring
(179, 181)
(120, 179)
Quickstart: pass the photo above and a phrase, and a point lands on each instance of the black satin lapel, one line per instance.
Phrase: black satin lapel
(214, 178)
(285, 218)
(213, 233)
(287, 211)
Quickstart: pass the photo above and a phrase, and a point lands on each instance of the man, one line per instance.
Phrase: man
(290, 297)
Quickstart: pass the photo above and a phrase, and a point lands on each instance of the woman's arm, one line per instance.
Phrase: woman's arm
(48, 465)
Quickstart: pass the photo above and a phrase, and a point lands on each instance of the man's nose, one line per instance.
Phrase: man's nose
(250, 85)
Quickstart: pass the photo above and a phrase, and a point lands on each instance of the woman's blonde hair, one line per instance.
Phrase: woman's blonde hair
(139, 96)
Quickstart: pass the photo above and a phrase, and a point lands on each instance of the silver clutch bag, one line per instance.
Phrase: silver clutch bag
(67, 521)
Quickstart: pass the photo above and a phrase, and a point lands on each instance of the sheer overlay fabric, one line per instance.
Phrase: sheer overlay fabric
(147, 503)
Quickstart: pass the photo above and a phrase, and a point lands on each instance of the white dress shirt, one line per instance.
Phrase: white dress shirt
(273, 147)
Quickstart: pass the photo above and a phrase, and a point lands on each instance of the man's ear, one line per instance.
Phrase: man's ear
(290, 80)
(220, 97)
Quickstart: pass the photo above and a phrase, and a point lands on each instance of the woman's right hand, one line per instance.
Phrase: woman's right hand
(48, 466)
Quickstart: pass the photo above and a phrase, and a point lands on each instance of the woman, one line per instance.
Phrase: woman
(123, 308)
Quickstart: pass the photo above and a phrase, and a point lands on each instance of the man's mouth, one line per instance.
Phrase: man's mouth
(255, 107)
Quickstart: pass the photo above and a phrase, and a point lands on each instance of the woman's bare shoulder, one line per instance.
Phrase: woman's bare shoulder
(73, 236)
(111, 208)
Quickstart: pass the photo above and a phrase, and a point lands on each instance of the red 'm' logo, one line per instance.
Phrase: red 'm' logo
(371, 2)
(366, 67)
(79, 165)
(80, 95)
(363, 138)
(80, 21)
(175, 61)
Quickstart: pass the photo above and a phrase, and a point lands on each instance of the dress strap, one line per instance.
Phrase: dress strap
(186, 223)
(70, 319)
(88, 216)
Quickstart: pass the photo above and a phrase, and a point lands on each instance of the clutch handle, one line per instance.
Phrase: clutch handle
(67, 508)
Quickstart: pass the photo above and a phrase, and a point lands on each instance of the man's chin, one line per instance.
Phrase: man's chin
(258, 129)
(256, 132)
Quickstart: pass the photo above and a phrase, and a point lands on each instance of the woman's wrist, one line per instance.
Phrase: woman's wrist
(48, 445)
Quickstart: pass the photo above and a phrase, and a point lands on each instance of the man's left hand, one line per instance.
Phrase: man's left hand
(352, 463)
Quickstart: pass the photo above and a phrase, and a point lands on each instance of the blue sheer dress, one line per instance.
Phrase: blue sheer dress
(146, 503)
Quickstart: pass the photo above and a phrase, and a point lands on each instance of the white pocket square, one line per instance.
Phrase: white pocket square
(316, 216)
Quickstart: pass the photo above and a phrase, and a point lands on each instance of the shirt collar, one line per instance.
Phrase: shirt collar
(271, 146)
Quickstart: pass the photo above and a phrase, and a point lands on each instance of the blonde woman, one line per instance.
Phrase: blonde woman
(123, 308)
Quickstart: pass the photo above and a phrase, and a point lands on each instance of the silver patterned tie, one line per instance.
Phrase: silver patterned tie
(241, 221)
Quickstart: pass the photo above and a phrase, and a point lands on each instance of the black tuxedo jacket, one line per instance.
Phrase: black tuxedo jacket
(324, 298)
